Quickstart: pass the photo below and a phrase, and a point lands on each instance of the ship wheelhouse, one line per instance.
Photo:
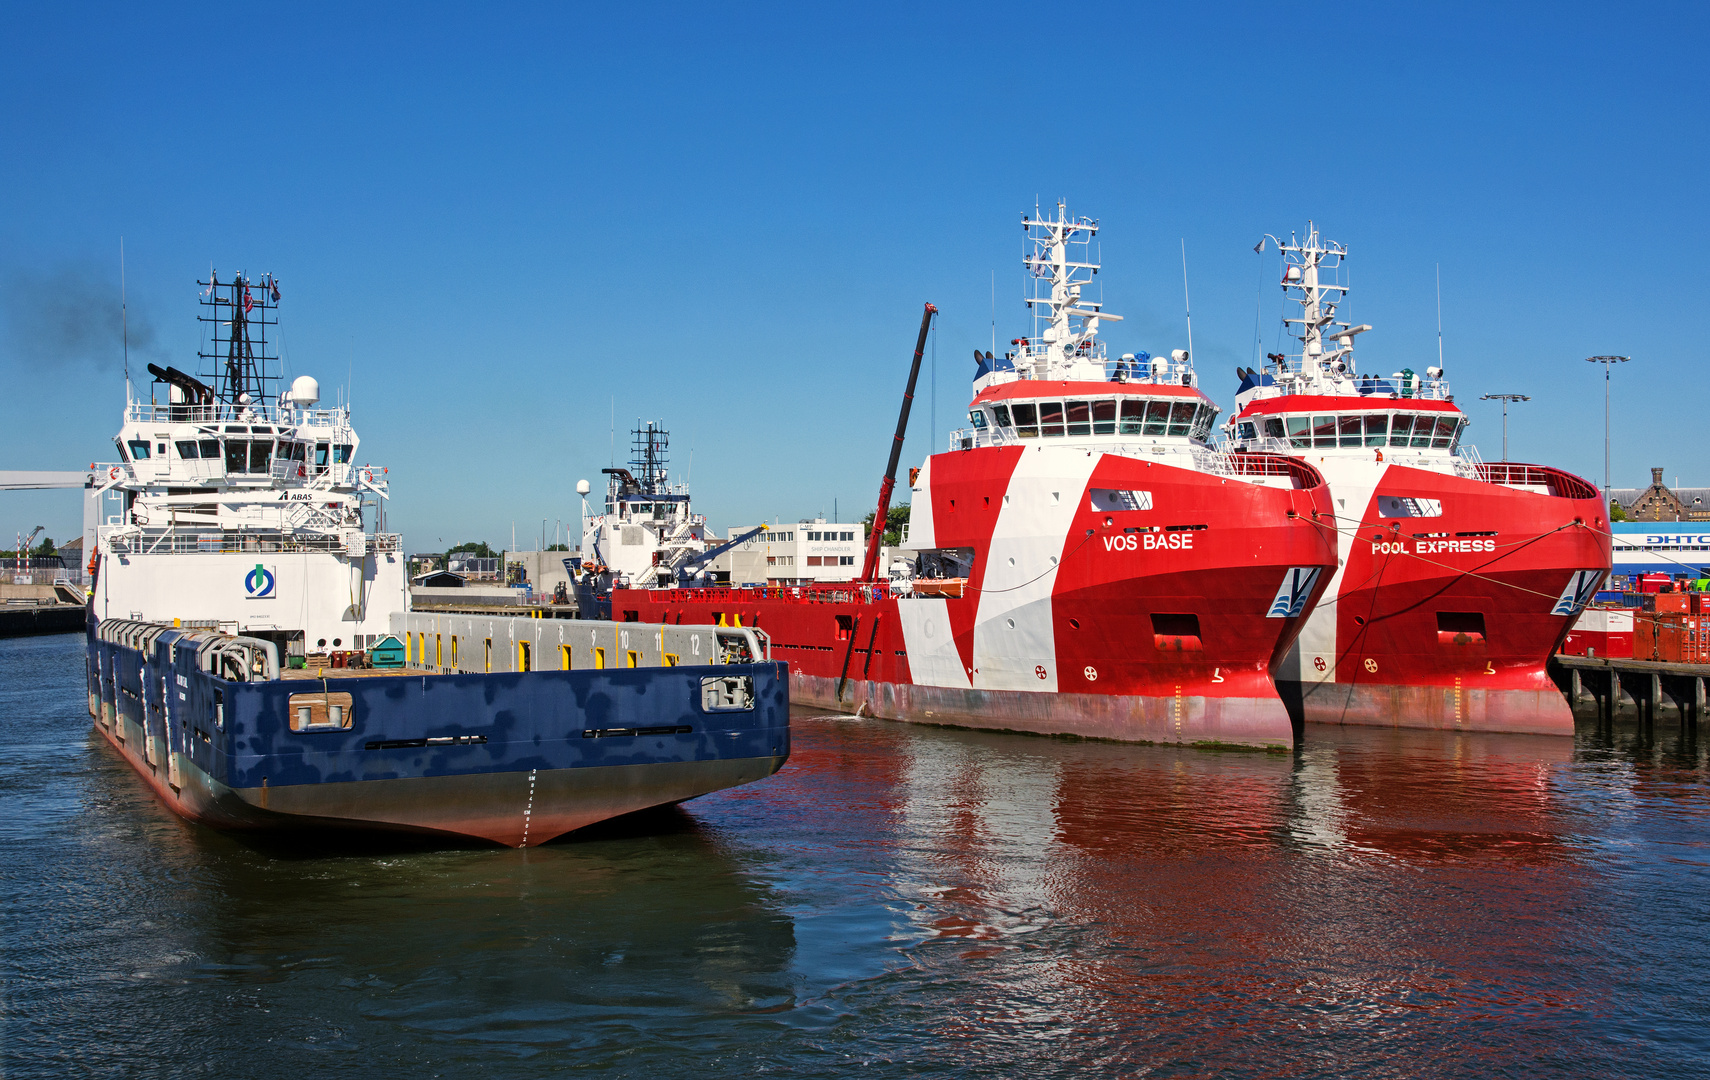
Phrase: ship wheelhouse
(1294, 423)
(1045, 410)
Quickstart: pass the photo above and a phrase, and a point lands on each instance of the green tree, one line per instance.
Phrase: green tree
(478, 548)
(1616, 512)
(44, 549)
(895, 518)
(558, 547)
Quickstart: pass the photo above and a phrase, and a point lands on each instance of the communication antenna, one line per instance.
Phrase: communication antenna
(1186, 306)
(124, 319)
(994, 311)
(1440, 319)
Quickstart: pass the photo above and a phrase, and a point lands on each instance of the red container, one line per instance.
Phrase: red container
(1673, 601)
(1644, 636)
(1670, 634)
(1695, 641)
(1700, 603)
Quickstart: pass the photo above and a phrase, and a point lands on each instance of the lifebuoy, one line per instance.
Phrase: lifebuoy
(113, 473)
(367, 476)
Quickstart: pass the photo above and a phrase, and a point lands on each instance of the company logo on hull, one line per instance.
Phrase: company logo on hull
(1580, 589)
(1295, 590)
(258, 583)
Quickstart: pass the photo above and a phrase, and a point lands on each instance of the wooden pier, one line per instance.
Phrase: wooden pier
(1645, 682)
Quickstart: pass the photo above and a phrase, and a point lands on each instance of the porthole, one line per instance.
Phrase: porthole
(1074, 624)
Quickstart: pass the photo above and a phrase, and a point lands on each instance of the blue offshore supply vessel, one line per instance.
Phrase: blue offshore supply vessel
(252, 653)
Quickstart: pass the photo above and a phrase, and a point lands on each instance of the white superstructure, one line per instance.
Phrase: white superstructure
(648, 529)
(244, 508)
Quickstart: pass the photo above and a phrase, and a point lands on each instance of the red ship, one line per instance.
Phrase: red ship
(1459, 578)
(1085, 563)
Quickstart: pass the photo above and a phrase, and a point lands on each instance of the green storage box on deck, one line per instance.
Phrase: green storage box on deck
(387, 652)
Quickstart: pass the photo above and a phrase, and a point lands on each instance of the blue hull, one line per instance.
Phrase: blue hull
(513, 758)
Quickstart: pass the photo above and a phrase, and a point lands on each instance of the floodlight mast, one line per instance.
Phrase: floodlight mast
(1607, 362)
(1505, 399)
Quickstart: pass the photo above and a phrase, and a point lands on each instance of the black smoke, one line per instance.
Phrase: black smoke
(70, 315)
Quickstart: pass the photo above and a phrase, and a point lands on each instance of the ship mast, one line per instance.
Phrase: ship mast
(1061, 263)
(1312, 270)
(238, 362)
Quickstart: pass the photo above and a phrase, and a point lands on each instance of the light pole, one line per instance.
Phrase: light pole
(1607, 362)
(1505, 399)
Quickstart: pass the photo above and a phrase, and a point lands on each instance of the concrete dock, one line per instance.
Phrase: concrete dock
(1643, 682)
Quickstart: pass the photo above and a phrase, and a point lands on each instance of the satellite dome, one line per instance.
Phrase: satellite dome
(305, 390)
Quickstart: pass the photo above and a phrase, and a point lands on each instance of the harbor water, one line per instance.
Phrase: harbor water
(899, 901)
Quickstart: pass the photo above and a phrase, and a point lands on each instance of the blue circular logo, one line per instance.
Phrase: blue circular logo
(258, 583)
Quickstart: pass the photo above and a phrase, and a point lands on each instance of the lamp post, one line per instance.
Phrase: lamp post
(1607, 362)
(1505, 399)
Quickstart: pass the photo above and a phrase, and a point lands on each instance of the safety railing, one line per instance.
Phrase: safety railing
(146, 541)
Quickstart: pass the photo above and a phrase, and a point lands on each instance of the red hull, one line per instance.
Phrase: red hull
(1054, 632)
(1447, 621)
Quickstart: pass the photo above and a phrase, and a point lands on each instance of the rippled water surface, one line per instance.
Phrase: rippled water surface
(898, 901)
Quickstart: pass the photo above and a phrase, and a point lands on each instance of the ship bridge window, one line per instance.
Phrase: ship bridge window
(1351, 431)
(1001, 412)
(1273, 427)
(1444, 436)
(320, 456)
(260, 455)
(237, 455)
(210, 448)
(187, 449)
(1133, 416)
(1377, 429)
(1104, 417)
(121, 448)
(1157, 417)
(1299, 431)
(977, 417)
(1050, 418)
(1181, 417)
(341, 454)
(1027, 420)
(1323, 431)
(1080, 418)
(1203, 420)
(1246, 430)
(139, 449)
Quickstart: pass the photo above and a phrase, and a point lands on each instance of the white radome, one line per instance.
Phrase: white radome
(305, 390)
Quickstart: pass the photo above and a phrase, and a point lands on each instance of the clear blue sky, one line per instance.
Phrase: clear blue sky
(494, 221)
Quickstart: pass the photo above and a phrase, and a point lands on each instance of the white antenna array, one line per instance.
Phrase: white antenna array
(1187, 306)
(1439, 315)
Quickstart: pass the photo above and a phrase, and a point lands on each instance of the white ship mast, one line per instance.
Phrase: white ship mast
(1061, 264)
(1314, 276)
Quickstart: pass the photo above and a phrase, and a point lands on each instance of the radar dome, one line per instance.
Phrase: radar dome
(305, 390)
(582, 487)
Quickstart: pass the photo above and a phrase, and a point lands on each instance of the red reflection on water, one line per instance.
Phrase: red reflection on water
(1141, 894)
